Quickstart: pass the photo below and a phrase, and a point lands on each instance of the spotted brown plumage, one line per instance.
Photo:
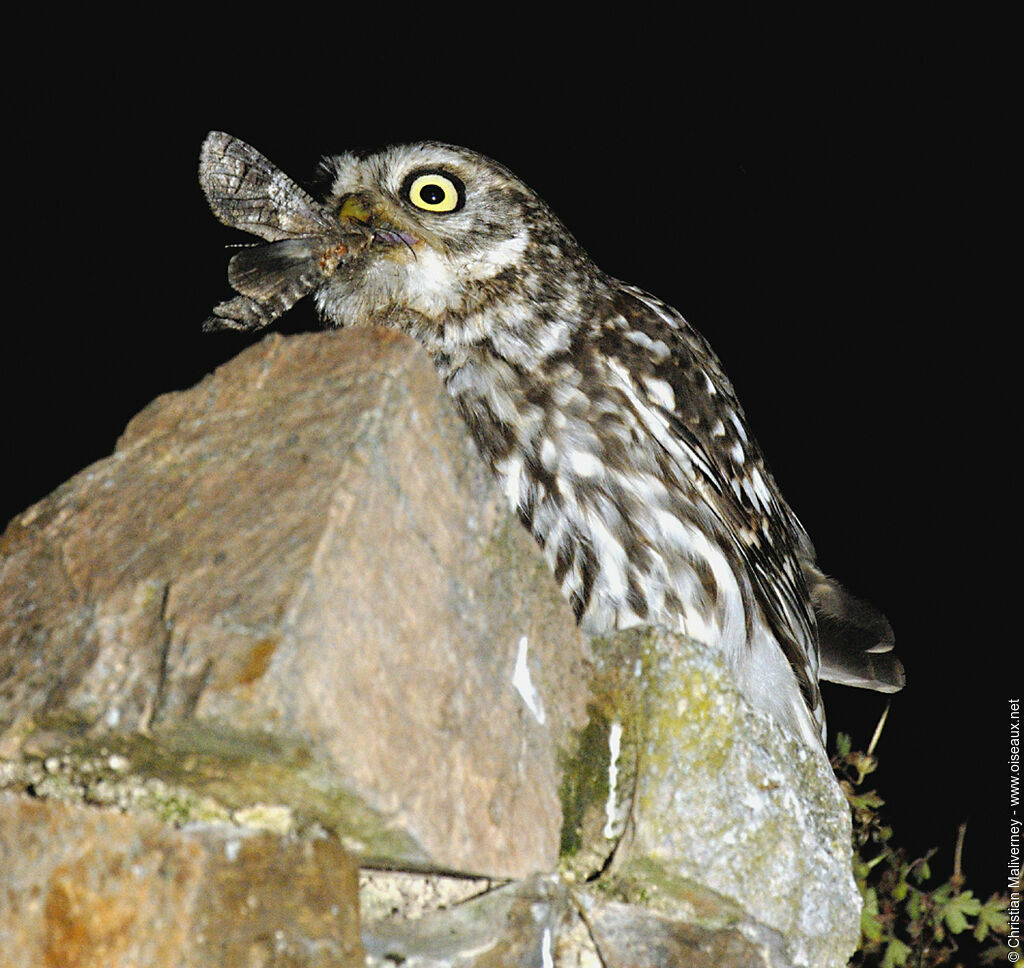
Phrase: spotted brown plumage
(605, 417)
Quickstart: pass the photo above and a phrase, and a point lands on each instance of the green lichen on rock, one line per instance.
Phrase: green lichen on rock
(598, 777)
(206, 773)
(646, 713)
(649, 884)
(720, 801)
(689, 709)
(583, 794)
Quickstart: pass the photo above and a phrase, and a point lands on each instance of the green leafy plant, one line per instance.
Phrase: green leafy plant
(906, 921)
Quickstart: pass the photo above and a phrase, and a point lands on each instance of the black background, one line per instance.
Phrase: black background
(818, 199)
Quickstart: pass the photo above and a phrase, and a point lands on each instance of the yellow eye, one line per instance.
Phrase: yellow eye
(435, 191)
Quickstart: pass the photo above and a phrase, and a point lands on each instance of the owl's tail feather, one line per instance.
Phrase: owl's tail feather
(856, 639)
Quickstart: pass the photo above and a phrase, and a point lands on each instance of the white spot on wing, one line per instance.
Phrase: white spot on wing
(757, 490)
(738, 424)
(511, 476)
(611, 554)
(584, 464)
(524, 685)
(657, 424)
(657, 349)
(548, 455)
(760, 487)
(660, 393)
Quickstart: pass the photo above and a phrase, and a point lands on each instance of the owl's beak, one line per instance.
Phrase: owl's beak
(354, 209)
(363, 218)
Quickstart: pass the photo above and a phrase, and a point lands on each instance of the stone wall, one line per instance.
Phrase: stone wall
(289, 630)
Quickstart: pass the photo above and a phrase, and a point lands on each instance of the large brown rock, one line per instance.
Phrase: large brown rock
(96, 888)
(296, 584)
(292, 605)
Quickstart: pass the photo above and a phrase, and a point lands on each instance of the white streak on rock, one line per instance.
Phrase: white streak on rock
(614, 748)
(524, 684)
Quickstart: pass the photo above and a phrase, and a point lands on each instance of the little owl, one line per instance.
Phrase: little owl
(604, 416)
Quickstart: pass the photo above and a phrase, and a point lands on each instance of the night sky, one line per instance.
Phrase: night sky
(810, 208)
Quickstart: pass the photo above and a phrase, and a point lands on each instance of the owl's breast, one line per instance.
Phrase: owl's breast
(621, 527)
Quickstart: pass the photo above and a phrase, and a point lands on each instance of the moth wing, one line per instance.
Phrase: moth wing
(246, 191)
(271, 279)
(270, 271)
(240, 313)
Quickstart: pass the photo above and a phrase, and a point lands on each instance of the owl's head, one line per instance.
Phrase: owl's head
(433, 239)
(449, 232)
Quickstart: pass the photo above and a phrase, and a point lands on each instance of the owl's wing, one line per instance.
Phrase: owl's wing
(806, 610)
(678, 377)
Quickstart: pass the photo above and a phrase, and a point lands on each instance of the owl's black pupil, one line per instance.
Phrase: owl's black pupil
(432, 194)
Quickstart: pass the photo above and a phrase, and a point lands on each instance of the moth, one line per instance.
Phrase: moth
(306, 242)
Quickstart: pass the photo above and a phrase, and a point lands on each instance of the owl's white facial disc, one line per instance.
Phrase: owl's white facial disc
(447, 230)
